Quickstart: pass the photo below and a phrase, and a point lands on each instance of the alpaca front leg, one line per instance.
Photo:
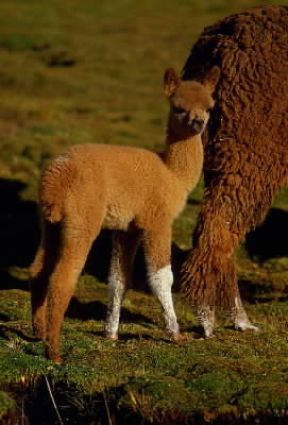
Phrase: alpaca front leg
(157, 246)
(240, 318)
(123, 255)
(206, 318)
(161, 283)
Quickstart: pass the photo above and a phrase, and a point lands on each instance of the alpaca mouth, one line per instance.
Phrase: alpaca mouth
(197, 125)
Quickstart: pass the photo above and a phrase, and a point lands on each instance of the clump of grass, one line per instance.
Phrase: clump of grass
(17, 42)
(7, 403)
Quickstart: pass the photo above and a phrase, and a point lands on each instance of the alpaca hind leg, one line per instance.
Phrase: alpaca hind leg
(123, 254)
(157, 248)
(39, 277)
(38, 288)
(74, 251)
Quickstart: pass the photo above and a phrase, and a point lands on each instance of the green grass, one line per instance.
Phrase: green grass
(85, 71)
(234, 373)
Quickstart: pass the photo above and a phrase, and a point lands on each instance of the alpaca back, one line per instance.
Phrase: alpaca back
(130, 183)
(248, 128)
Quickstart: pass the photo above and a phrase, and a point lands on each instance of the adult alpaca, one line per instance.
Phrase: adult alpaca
(132, 191)
(246, 150)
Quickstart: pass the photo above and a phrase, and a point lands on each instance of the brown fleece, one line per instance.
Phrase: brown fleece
(245, 143)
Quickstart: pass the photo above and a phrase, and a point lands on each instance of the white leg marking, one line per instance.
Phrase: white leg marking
(206, 317)
(116, 291)
(240, 318)
(161, 282)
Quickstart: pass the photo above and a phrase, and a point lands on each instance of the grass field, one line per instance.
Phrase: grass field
(77, 71)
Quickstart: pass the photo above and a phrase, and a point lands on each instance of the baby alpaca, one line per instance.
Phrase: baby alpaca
(132, 191)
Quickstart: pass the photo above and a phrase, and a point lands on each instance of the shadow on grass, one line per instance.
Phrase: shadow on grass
(254, 293)
(19, 229)
(194, 202)
(8, 332)
(70, 404)
(10, 282)
(19, 233)
(129, 336)
(98, 260)
(73, 406)
(270, 239)
(4, 317)
(96, 310)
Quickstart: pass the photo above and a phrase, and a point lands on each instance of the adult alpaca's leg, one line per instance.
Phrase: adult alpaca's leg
(206, 318)
(75, 245)
(123, 254)
(209, 276)
(209, 273)
(157, 249)
(40, 271)
(239, 317)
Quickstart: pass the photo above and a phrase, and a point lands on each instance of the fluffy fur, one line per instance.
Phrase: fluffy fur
(132, 191)
(246, 147)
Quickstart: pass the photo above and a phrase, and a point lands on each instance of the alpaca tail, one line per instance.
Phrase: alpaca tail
(55, 182)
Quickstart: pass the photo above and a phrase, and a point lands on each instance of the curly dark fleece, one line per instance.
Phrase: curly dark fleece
(246, 143)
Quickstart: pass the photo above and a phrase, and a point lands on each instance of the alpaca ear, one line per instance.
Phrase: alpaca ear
(212, 78)
(171, 82)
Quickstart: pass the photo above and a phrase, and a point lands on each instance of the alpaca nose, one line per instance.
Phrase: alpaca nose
(197, 124)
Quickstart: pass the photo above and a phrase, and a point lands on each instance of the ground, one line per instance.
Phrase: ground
(85, 71)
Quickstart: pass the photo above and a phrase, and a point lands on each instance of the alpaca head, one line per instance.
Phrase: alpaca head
(190, 102)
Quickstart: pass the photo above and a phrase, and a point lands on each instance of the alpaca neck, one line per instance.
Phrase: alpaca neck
(185, 159)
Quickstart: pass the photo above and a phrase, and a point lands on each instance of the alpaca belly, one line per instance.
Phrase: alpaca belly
(117, 218)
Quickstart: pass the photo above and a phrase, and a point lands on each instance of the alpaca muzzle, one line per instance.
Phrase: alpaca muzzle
(197, 124)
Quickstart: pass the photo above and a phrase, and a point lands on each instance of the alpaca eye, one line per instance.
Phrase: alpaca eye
(179, 110)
